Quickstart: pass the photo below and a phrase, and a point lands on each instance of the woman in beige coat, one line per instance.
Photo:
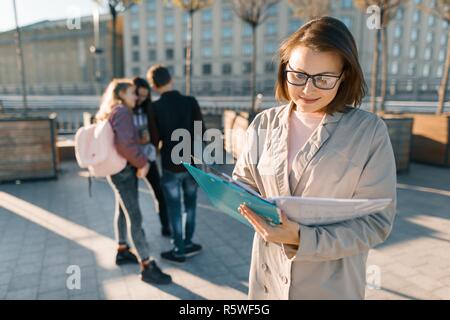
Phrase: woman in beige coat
(318, 145)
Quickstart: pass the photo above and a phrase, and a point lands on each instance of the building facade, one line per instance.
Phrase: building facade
(58, 59)
(155, 32)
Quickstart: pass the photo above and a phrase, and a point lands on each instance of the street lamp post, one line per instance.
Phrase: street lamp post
(96, 50)
(20, 62)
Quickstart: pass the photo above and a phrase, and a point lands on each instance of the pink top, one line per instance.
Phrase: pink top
(301, 127)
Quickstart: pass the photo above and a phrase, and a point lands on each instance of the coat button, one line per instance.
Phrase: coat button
(266, 243)
(264, 267)
(266, 290)
(285, 279)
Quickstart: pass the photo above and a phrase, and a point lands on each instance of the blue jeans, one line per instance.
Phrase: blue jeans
(175, 186)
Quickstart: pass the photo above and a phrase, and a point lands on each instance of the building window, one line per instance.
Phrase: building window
(294, 24)
(271, 29)
(227, 50)
(346, 4)
(207, 15)
(247, 49)
(206, 69)
(227, 32)
(168, 20)
(152, 55)
(207, 52)
(416, 16)
(136, 57)
(426, 70)
(427, 54)
(398, 31)
(134, 8)
(152, 38)
(396, 50)
(443, 39)
(440, 71)
(411, 69)
(169, 54)
(151, 5)
(207, 34)
(414, 34)
(412, 52)
(227, 14)
(270, 48)
(226, 68)
(347, 21)
(247, 67)
(399, 14)
(246, 30)
(441, 55)
(169, 37)
(429, 37)
(151, 22)
(269, 67)
(171, 70)
(272, 11)
(135, 40)
(136, 71)
(394, 68)
(135, 24)
(431, 20)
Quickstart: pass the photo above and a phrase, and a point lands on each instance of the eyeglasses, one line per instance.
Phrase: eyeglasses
(320, 81)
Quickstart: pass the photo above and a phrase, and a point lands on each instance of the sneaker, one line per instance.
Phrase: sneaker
(173, 256)
(192, 249)
(126, 257)
(166, 232)
(153, 274)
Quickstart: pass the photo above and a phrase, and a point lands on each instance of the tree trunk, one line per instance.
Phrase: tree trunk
(189, 53)
(114, 39)
(384, 64)
(373, 85)
(444, 81)
(253, 81)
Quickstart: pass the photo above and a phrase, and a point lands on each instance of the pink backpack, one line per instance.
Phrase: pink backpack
(95, 150)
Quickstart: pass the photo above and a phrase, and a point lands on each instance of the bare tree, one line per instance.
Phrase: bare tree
(254, 13)
(387, 9)
(115, 8)
(190, 6)
(441, 10)
(310, 9)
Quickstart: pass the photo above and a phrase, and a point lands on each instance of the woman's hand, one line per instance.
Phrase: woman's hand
(287, 232)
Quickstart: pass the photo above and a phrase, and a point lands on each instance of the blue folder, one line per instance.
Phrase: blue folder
(225, 195)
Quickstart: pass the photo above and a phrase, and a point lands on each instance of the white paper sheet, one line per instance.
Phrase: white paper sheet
(321, 211)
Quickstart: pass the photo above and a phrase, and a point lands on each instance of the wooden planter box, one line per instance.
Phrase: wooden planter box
(400, 134)
(27, 148)
(431, 139)
(399, 126)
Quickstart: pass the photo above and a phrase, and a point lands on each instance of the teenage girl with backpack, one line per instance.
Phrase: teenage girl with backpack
(117, 103)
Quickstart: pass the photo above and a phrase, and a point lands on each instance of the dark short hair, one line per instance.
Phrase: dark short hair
(158, 75)
(326, 34)
(141, 83)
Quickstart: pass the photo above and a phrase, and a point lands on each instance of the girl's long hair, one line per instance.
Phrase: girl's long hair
(111, 97)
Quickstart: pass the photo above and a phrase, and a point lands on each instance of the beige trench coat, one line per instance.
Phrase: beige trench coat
(348, 156)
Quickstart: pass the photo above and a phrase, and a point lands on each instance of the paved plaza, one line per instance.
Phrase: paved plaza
(48, 226)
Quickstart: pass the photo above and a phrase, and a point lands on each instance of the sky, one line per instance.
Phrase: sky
(31, 11)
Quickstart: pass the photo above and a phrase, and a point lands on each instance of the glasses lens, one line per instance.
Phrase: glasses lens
(324, 82)
(297, 78)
